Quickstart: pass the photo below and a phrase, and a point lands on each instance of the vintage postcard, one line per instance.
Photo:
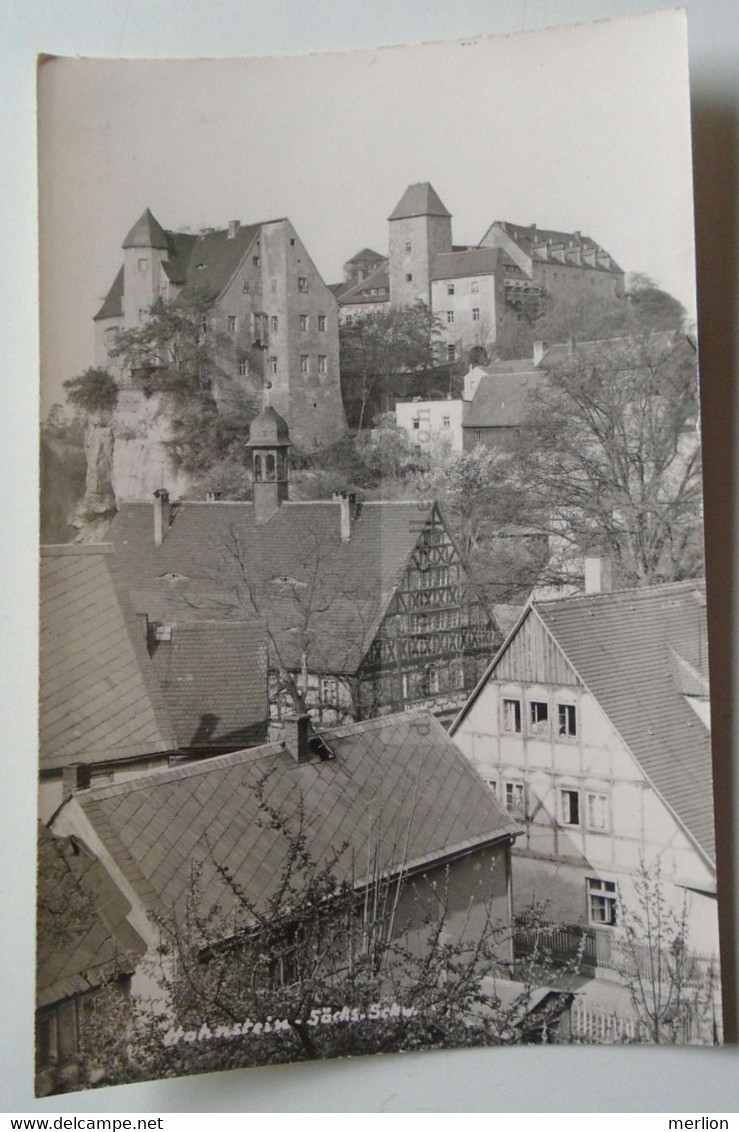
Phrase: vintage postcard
(375, 707)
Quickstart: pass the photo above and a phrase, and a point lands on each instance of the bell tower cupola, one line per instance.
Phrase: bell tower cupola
(269, 441)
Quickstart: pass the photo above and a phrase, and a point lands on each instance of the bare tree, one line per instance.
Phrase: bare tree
(609, 456)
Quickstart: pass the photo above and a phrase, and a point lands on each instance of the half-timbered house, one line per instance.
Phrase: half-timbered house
(368, 607)
(592, 727)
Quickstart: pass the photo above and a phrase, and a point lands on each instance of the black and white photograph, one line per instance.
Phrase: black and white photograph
(375, 710)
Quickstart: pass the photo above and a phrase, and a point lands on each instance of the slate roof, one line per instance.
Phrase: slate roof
(501, 399)
(99, 698)
(207, 260)
(420, 199)
(316, 592)
(360, 292)
(147, 232)
(471, 261)
(622, 645)
(113, 304)
(213, 675)
(83, 937)
(398, 792)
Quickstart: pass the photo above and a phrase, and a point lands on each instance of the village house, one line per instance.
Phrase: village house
(446, 847)
(591, 726)
(476, 290)
(368, 607)
(276, 321)
(115, 705)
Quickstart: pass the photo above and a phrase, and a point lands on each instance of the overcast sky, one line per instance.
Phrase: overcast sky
(575, 128)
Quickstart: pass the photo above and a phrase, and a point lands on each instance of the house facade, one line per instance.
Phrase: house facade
(368, 607)
(592, 727)
(432, 427)
(274, 319)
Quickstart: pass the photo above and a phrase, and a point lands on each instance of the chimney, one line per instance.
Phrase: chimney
(75, 777)
(598, 575)
(161, 506)
(348, 501)
(233, 227)
(297, 732)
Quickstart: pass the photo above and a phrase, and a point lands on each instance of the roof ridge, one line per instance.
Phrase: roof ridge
(635, 592)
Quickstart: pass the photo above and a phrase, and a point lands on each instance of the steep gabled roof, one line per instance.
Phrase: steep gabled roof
(214, 257)
(420, 199)
(147, 232)
(622, 646)
(500, 399)
(99, 698)
(526, 236)
(83, 938)
(397, 791)
(213, 675)
(315, 590)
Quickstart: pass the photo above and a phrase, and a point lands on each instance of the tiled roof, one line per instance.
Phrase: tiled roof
(364, 254)
(500, 399)
(629, 349)
(214, 257)
(83, 937)
(113, 305)
(419, 200)
(471, 261)
(397, 792)
(622, 645)
(214, 678)
(317, 592)
(360, 292)
(99, 697)
(529, 235)
(147, 232)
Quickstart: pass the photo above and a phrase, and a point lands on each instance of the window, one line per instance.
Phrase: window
(539, 717)
(512, 715)
(450, 288)
(445, 422)
(322, 363)
(303, 284)
(450, 316)
(273, 365)
(408, 247)
(493, 784)
(567, 719)
(246, 287)
(258, 288)
(232, 324)
(569, 806)
(110, 336)
(408, 277)
(597, 812)
(255, 260)
(303, 322)
(416, 422)
(321, 322)
(274, 323)
(451, 352)
(474, 286)
(432, 681)
(243, 367)
(304, 363)
(477, 435)
(292, 241)
(601, 901)
(514, 798)
(475, 314)
(143, 265)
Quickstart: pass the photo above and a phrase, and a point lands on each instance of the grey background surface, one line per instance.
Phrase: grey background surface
(557, 1079)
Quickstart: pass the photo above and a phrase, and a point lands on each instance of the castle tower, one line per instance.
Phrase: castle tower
(269, 441)
(145, 246)
(420, 228)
